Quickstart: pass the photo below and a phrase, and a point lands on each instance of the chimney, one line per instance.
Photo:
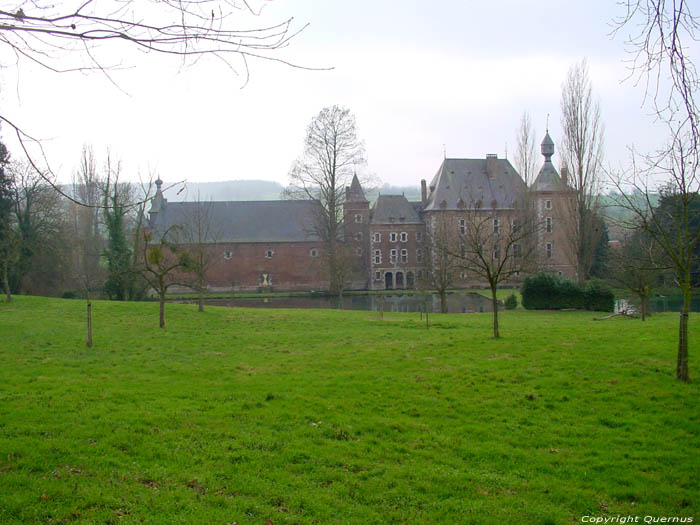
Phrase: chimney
(423, 192)
(492, 165)
(565, 175)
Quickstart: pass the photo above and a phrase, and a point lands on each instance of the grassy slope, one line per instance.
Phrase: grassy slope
(335, 416)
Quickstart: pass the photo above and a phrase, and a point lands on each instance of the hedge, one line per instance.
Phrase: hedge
(548, 292)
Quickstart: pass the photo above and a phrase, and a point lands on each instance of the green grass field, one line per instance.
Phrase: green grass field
(310, 416)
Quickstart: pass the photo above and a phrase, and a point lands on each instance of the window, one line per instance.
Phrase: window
(404, 237)
(358, 252)
(313, 252)
(548, 224)
(358, 236)
(496, 225)
(517, 274)
(358, 217)
(419, 236)
(377, 237)
(404, 256)
(462, 226)
(547, 205)
(393, 255)
(463, 276)
(517, 250)
(419, 255)
(497, 253)
(377, 256)
(549, 250)
(560, 274)
(269, 254)
(515, 225)
(377, 276)
(462, 251)
(228, 255)
(392, 237)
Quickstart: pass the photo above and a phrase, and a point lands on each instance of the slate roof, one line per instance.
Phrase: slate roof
(548, 178)
(462, 183)
(354, 192)
(244, 221)
(389, 209)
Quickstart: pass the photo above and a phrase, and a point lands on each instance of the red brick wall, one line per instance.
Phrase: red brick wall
(291, 266)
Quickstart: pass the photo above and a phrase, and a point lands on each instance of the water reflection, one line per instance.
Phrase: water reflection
(456, 302)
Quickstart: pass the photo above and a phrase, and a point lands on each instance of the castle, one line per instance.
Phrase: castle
(257, 245)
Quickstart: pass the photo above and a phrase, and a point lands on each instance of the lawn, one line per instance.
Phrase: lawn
(311, 416)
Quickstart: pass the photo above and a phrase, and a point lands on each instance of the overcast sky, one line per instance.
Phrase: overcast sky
(419, 77)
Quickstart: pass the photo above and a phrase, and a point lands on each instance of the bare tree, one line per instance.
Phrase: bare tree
(497, 247)
(582, 151)
(663, 39)
(526, 157)
(199, 236)
(332, 153)
(41, 233)
(85, 226)
(637, 266)
(441, 265)
(164, 262)
(83, 36)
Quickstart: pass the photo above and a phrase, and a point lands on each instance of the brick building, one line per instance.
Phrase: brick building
(271, 244)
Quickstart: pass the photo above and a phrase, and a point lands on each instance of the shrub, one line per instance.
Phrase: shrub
(547, 292)
(511, 302)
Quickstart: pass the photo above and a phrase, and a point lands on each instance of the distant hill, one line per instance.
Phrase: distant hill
(232, 190)
(261, 190)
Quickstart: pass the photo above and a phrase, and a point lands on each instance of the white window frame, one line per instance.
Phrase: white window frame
(496, 225)
(404, 237)
(392, 237)
(419, 255)
(404, 255)
(228, 255)
(393, 255)
(313, 252)
(377, 257)
(269, 254)
(377, 237)
(462, 226)
(358, 252)
(419, 236)
(377, 275)
(358, 236)
(548, 205)
(358, 218)
(549, 250)
(548, 224)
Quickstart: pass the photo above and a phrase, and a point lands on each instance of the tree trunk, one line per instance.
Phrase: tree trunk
(6, 282)
(682, 363)
(443, 302)
(161, 300)
(200, 306)
(494, 302)
(88, 341)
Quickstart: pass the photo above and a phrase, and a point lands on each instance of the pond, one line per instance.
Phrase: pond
(456, 302)
(659, 303)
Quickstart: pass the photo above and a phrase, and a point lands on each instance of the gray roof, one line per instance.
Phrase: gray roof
(548, 178)
(394, 209)
(244, 221)
(354, 193)
(464, 183)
